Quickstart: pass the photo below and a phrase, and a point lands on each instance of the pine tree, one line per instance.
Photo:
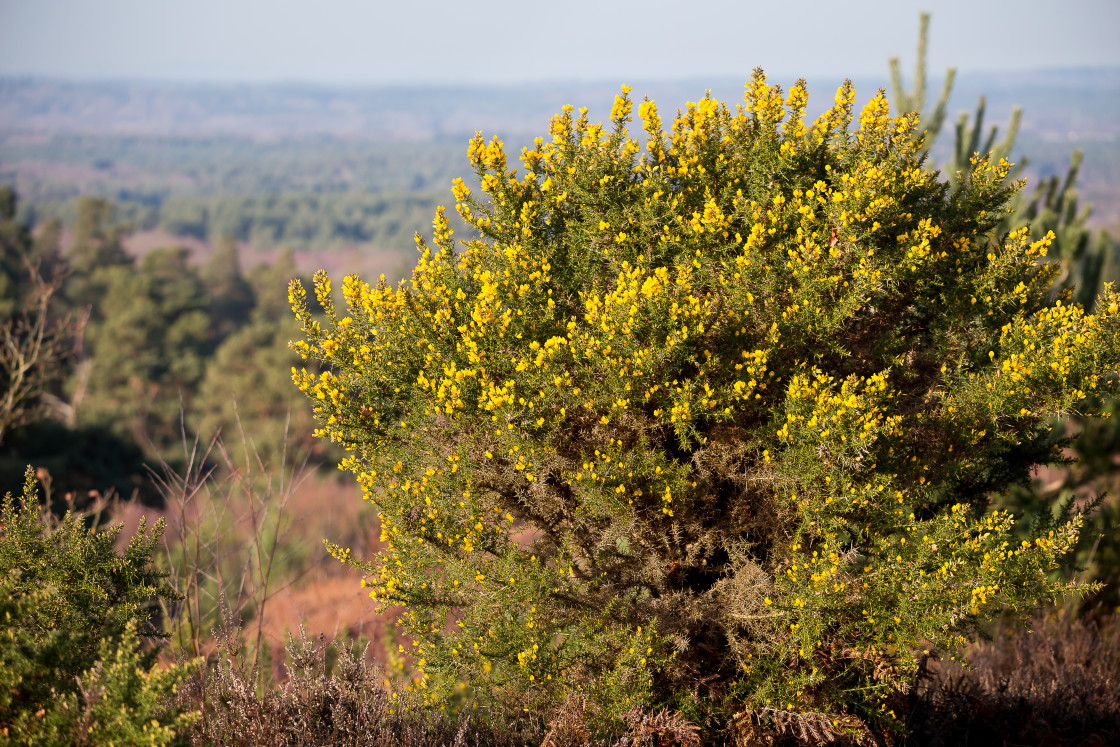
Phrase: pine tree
(247, 386)
(95, 253)
(148, 350)
(231, 297)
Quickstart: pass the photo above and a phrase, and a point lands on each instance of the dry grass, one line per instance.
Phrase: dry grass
(318, 703)
(245, 541)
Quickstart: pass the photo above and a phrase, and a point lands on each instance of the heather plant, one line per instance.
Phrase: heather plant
(322, 702)
(1055, 684)
(715, 425)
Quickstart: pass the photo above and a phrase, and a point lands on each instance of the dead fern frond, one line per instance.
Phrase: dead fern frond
(663, 729)
(772, 727)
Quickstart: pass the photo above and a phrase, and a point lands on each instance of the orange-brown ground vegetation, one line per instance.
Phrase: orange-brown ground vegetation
(249, 538)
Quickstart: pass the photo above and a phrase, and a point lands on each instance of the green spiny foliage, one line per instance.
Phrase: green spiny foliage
(1085, 267)
(967, 142)
(1052, 207)
(1090, 478)
(72, 614)
(714, 426)
(122, 699)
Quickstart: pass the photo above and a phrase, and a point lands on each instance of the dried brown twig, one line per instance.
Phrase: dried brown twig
(35, 346)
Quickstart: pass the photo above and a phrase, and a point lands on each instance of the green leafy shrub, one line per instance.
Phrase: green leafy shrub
(715, 426)
(73, 613)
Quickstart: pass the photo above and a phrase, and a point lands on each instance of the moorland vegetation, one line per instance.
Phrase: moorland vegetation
(746, 429)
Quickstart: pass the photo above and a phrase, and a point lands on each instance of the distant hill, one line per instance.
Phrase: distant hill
(361, 164)
(1086, 101)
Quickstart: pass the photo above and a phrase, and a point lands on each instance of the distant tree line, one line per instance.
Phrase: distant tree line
(304, 193)
(299, 220)
(148, 169)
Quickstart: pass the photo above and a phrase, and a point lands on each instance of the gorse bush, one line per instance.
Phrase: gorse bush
(73, 612)
(714, 425)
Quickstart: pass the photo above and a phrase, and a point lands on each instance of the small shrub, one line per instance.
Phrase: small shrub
(73, 614)
(714, 427)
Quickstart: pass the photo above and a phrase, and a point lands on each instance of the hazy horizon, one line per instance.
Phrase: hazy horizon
(505, 43)
(935, 80)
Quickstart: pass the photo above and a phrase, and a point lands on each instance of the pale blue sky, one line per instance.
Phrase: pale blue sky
(505, 41)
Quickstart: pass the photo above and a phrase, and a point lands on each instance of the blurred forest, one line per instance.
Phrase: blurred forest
(318, 194)
(160, 386)
(152, 350)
